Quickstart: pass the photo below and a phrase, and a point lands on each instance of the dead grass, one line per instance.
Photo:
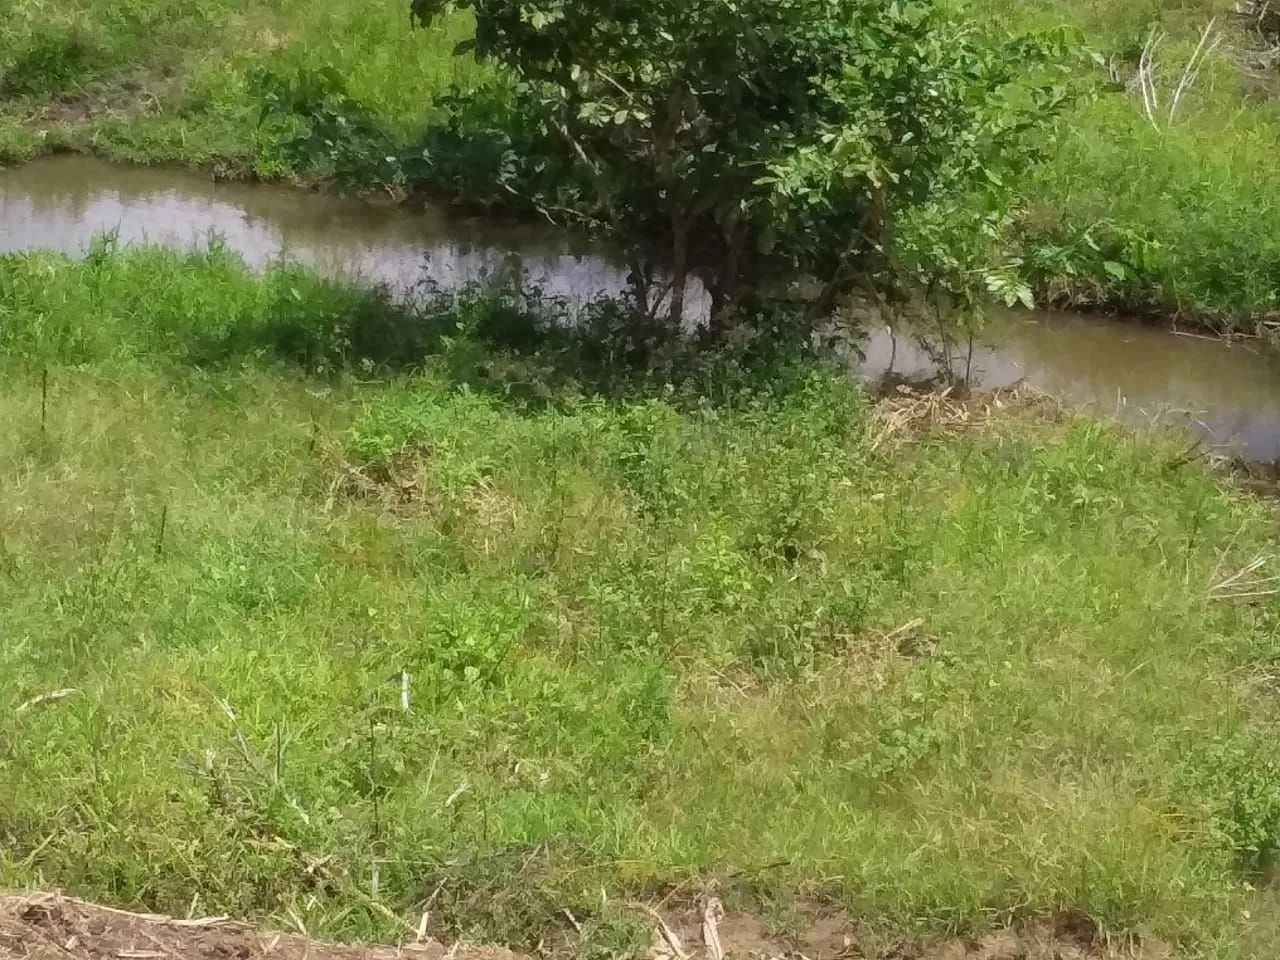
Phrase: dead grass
(397, 482)
(907, 413)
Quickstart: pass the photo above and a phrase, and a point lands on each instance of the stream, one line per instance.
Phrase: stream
(1227, 393)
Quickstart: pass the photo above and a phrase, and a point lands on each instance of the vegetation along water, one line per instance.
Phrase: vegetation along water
(498, 611)
(1167, 210)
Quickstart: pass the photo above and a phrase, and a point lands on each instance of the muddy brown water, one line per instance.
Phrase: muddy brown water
(1227, 393)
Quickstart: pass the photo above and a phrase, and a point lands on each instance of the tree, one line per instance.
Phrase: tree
(753, 142)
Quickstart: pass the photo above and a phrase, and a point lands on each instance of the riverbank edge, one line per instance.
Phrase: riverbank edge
(1054, 293)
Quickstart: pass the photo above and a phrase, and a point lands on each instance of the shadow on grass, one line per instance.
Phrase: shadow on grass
(508, 341)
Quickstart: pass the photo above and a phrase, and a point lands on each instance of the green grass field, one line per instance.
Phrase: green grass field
(295, 636)
(319, 609)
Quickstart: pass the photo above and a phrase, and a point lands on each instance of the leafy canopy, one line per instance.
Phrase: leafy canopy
(751, 142)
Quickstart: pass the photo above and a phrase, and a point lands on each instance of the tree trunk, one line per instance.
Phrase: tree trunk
(641, 288)
(679, 268)
(727, 287)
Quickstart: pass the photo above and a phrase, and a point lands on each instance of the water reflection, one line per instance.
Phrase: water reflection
(1229, 393)
(61, 203)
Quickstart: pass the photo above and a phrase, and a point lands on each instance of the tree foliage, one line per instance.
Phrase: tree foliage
(751, 142)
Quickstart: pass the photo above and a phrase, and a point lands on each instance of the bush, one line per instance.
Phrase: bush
(48, 63)
(756, 142)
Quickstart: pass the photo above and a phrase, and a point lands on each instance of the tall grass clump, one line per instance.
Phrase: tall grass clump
(1159, 203)
(140, 308)
(334, 643)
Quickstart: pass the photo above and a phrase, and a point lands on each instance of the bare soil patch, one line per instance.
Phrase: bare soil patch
(826, 933)
(49, 926)
(54, 927)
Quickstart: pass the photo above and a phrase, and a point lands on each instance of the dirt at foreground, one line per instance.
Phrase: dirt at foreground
(54, 927)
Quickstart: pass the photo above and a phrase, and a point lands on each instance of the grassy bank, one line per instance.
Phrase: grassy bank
(524, 629)
(160, 81)
(1165, 217)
